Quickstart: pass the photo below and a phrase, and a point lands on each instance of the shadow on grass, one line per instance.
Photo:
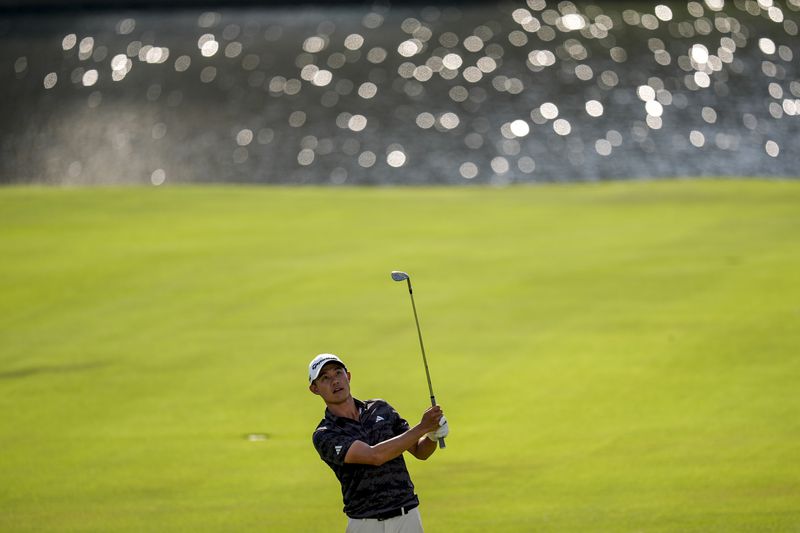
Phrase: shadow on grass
(51, 369)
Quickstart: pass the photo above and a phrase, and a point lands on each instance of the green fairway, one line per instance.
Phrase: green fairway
(615, 357)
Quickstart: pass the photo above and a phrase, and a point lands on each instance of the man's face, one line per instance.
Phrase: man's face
(333, 384)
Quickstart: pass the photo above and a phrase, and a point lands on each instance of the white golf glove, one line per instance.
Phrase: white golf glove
(440, 433)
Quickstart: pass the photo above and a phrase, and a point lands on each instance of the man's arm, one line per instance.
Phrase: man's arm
(423, 449)
(362, 453)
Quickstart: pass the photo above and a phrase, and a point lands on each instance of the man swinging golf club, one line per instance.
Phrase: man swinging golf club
(363, 443)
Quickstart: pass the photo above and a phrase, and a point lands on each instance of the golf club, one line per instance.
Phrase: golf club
(401, 276)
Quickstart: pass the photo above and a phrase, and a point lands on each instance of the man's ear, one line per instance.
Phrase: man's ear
(313, 388)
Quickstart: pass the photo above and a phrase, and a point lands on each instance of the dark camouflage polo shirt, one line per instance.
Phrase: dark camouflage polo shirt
(366, 490)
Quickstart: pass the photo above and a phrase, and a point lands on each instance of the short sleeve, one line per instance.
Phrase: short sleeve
(399, 423)
(332, 446)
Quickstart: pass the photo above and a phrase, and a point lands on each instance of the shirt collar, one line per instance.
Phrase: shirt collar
(340, 420)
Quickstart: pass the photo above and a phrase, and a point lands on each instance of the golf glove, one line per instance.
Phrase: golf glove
(440, 433)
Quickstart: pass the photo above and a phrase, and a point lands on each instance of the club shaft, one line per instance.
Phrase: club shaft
(422, 349)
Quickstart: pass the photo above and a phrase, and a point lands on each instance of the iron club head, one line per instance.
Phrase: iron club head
(399, 276)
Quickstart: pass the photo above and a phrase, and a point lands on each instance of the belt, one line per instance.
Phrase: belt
(400, 511)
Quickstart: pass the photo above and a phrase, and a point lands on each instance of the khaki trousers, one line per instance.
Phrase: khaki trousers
(410, 522)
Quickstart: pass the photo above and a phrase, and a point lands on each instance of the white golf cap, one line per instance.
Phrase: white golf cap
(316, 364)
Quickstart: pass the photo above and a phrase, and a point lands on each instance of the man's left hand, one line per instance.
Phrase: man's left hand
(440, 433)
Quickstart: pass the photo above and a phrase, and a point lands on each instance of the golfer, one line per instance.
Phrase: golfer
(363, 443)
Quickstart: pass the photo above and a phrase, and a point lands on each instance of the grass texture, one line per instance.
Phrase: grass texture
(614, 357)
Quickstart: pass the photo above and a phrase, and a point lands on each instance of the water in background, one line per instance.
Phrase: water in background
(439, 94)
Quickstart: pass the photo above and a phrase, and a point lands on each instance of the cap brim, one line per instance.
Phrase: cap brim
(321, 368)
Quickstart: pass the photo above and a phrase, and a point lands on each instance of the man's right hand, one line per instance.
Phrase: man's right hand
(430, 418)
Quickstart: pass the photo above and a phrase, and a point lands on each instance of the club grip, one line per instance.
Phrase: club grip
(433, 403)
